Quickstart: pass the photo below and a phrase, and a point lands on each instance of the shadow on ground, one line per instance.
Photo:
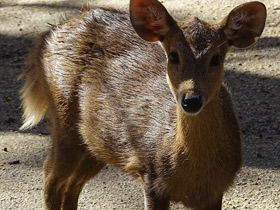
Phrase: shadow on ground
(63, 5)
(258, 113)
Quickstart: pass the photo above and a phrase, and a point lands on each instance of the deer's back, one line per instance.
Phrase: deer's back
(109, 85)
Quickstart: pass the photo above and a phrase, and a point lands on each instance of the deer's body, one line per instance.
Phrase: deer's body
(105, 92)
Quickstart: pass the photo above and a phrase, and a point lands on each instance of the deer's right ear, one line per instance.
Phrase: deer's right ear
(244, 24)
(150, 19)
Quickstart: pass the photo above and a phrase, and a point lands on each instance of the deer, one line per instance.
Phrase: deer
(143, 93)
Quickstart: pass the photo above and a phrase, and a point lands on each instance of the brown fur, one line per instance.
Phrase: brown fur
(105, 93)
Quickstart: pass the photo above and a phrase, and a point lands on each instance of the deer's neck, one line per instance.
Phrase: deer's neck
(200, 136)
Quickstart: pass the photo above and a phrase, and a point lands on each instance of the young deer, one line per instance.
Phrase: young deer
(105, 92)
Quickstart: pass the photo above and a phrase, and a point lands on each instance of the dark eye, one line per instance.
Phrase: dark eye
(216, 60)
(173, 57)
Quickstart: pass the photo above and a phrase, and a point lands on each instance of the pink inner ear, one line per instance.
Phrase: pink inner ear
(150, 19)
(154, 27)
(150, 16)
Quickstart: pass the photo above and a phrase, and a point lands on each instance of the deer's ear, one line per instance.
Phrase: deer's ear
(150, 19)
(244, 24)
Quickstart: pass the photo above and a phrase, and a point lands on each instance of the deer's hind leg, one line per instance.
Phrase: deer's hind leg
(66, 157)
(87, 169)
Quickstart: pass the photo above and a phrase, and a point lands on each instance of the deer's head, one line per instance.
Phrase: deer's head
(195, 49)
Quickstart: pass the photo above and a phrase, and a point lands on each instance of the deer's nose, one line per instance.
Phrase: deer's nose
(191, 104)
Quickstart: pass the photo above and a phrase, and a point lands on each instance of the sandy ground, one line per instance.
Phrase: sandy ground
(253, 75)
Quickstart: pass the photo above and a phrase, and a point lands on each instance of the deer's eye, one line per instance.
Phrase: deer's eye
(216, 60)
(173, 57)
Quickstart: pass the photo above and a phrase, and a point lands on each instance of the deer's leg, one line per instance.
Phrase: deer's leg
(87, 169)
(63, 159)
(155, 202)
(153, 199)
(217, 205)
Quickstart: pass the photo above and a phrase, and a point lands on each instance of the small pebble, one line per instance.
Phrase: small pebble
(15, 162)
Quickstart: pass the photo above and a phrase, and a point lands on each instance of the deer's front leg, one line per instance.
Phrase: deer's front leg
(156, 202)
(153, 199)
(216, 205)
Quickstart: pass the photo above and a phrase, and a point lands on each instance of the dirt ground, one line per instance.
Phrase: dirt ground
(253, 75)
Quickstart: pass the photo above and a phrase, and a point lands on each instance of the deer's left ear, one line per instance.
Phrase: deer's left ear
(244, 24)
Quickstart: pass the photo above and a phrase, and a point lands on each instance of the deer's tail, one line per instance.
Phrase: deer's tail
(33, 93)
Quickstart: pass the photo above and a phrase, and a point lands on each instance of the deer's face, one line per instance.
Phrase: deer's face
(195, 64)
(195, 50)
